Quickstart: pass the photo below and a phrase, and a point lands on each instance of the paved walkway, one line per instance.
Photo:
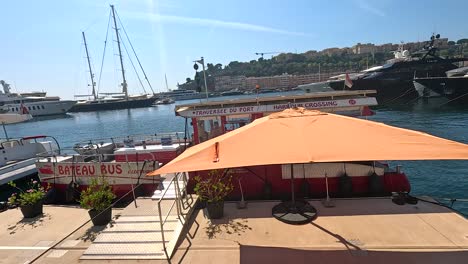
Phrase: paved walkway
(21, 240)
(355, 231)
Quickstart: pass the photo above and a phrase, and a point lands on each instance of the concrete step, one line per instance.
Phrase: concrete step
(137, 235)
(140, 227)
(124, 251)
(140, 237)
(171, 192)
(143, 219)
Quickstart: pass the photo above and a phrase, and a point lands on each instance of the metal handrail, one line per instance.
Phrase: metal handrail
(176, 202)
(170, 209)
(188, 198)
(161, 222)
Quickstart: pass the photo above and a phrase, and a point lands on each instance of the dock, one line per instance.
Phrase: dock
(368, 230)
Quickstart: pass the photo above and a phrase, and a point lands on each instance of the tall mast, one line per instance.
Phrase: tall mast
(167, 86)
(124, 81)
(89, 65)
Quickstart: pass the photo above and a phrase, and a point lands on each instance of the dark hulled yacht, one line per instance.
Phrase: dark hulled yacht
(454, 85)
(394, 80)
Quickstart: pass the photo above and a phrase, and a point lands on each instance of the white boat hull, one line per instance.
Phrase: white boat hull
(43, 108)
(12, 118)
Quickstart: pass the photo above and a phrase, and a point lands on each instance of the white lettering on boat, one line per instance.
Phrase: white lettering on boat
(97, 169)
(278, 107)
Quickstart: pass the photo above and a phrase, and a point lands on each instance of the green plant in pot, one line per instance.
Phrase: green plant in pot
(98, 199)
(212, 189)
(29, 199)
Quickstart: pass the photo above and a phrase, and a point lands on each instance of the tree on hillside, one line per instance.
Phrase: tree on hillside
(310, 62)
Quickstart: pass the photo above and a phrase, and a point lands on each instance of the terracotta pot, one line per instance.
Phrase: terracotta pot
(31, 210)
(100, 218)
(215, 209)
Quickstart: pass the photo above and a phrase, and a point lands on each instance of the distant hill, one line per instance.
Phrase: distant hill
(356, 58)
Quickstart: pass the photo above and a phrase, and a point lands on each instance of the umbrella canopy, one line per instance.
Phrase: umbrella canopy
(303, 136)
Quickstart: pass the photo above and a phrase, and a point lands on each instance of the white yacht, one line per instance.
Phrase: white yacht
(180, 94)
(37, 103)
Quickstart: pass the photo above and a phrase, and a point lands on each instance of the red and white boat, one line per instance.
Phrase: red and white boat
(211, 119)
(126, 161)
(122, 161)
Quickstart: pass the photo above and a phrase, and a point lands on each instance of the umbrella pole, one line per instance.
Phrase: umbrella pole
(327, 202)
(292, 212)
(326, 186)
(293, 196)
(4, 130)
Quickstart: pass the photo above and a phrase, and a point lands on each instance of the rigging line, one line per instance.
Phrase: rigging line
(414, 100)
(139, 63)
(94, 22)
(103, 55)
(398, 97)
(456, 98)
(131, 62)
(80, 69)
(116, 68)
(451, 199)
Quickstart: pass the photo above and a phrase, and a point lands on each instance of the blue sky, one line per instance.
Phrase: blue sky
(42, 49)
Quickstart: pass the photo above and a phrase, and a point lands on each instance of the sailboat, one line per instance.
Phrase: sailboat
(177, 95)
(165, 99)
(112, 101)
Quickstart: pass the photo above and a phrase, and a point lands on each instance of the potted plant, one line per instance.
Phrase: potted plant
(212, 190)
(98, 199)
(29, 200)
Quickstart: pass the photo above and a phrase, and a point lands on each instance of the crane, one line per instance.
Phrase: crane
(265, 53)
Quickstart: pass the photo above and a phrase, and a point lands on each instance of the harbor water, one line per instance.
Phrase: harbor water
(442, 179)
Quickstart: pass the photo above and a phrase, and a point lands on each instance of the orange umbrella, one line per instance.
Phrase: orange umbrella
(304, 136)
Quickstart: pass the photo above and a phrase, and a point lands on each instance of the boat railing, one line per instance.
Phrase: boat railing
(182, 202)
(138, 139)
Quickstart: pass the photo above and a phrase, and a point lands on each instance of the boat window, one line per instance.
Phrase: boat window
(34, 107)
(42, 107)
(29, 108)
(236, 121)
(17, 109)
(208, 128)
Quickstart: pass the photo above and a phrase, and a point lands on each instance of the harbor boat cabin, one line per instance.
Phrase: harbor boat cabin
(213, 118)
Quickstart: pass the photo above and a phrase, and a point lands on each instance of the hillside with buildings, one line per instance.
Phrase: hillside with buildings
(288, 70)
